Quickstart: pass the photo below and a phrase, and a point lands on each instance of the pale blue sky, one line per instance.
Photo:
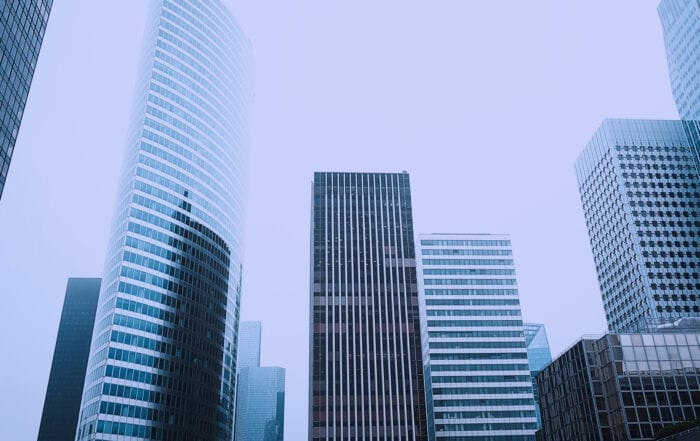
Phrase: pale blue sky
(485, 103)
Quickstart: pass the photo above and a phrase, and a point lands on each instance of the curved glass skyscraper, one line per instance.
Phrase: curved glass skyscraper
(162, 361)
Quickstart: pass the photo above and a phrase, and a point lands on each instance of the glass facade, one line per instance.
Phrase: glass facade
(163, 357)
(260, 404)
(366, 375)
(680, 20)
(476, 356)
(538, 356)
(640, 189)
(624, 386)
(249, 344)
(22, 26)
(70, 358)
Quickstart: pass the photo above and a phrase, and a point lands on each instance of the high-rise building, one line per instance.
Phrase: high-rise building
(479, 375)
(680, 20)
(70, 358)
(163, 356)
(22, 26)
(538, 357)
(249, 344)
(260, 404)
(641, 198)
(366, 374)
(622, 386)
(260, 391)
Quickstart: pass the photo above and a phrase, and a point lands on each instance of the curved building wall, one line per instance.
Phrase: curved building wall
(162, 362)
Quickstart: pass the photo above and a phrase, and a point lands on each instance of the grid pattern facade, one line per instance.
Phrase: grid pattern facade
(366, 377)
(538, 357)
(481, 386)
(70, 357)
(640, 189)
(628, 386)
(163, 357)
(566, 401)
(260, 404)
(680, 20)
(21, 32)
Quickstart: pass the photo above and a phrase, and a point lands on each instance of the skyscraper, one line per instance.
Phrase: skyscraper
(260, 391)
(70, 358)
(260, 404)
(249, 344)
(22, 26)
(477, 355)
(680, 20)
(366, 377)
(641, 198)
(538, 357)
(163, 357)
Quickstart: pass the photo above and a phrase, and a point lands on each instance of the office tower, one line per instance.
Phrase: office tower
(163, 357)
(366, 377)
(538, 356)
(22, 26)
(641, 198)
(622, 386)
(260, 391)
(249, 344)
(260, 404)
(479, 372)
(680, 20)
(70, 358)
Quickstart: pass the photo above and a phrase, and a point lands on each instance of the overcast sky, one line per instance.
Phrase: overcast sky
(486, 104)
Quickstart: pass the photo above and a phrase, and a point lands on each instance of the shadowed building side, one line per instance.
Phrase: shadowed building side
(70, 357)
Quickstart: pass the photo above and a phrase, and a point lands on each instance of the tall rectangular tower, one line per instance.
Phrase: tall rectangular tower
(477, 355)
(22, 26)
(641, 197)
(70, 357)
(249, 334)
(366, 377)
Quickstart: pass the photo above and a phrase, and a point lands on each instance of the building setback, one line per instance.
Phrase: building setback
(70, 357)
(163, 356)
(22, 26)
(366, 375)
(476, 355)
(622, 386)
(640, 190)
(538, 356)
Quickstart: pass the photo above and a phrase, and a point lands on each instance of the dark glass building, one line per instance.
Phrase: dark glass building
(22, 26)
(621, 387)
(70, 357)
(366, 370)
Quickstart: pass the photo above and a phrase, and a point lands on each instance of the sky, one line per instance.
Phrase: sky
(485, 103)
